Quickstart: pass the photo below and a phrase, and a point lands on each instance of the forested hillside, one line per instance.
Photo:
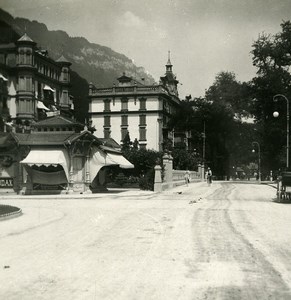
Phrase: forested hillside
(90, 62)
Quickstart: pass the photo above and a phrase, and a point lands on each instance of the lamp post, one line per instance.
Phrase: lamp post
(259, 158)
(276, 114)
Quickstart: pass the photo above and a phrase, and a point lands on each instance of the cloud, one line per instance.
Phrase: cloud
(128, 19)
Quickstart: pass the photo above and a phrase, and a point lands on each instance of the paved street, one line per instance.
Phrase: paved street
(232, 242)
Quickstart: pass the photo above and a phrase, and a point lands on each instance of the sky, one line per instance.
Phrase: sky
(204, 37)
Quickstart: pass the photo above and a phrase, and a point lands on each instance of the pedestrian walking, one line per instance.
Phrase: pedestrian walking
(187, 177)
(209, 176)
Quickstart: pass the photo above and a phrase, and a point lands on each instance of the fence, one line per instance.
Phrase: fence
(172, 177)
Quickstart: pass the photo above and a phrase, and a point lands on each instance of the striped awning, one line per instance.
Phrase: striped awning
(48, 88)
(47, 157)
(40, 105)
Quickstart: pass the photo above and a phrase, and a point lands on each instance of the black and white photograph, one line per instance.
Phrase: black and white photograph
(144, 149)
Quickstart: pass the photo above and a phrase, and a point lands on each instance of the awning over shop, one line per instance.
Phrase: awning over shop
(101, 158)
(120, 160)
(3, 77)
(48, 88)
(46, 157)
(40, 105)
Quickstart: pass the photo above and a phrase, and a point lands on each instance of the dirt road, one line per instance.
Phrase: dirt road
(231, 242)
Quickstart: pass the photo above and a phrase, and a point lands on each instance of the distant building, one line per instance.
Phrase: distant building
(137, 108)
(32, 85)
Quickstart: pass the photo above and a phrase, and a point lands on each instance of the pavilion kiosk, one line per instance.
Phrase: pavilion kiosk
(51, 161)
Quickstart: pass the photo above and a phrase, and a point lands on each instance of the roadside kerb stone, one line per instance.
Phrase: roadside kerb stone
(11, 215)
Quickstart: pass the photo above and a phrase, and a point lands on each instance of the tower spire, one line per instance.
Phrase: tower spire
(169, 64)
(169, 58)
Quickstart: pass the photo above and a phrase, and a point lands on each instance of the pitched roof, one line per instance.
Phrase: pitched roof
(53, 138)
(124, 78)
(42, 138)
(57, 121)
(25, 38)
(62, 59)
(109, 143)
(6, 139)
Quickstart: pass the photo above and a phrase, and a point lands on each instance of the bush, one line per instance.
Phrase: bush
(120, 179)
(146, 182)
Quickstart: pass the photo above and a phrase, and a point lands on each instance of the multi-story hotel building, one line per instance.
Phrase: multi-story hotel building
(133, 107)
(42, 150)
(32, 85)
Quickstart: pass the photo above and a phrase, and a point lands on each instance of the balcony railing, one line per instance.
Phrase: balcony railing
(131, 90)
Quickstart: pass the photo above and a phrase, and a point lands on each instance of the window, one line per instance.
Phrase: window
(21, 83)
(107, 133)
(124, 120)
(29, 84)
(39, 90)
(124, 104)
(21, 57)
(142, 134)
(142, 104)
(123, 133)
(142, 120)
(28, 58)
(65, 98)
(2, 58)
(107, 105)
(107, 121)
(65, 74)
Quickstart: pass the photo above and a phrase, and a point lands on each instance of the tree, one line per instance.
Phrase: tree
(272, 57)
(228, 139)
(126, 143)
(144, 162)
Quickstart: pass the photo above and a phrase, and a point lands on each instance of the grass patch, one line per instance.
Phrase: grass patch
(6, 209)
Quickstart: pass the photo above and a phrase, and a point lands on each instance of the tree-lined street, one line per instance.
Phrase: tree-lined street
(227, 241)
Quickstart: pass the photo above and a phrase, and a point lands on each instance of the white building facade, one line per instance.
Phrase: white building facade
(133, 107)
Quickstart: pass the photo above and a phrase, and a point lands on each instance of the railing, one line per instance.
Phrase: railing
(130, 89)
(178, 175)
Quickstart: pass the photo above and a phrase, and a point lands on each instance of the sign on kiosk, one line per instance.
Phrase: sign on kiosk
(6, 182)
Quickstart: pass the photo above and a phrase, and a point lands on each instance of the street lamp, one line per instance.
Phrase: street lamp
(259, 156)
(276, 114)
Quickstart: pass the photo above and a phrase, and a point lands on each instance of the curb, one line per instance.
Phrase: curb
(11, 215)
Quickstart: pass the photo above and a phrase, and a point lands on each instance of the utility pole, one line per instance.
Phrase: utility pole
(204, 137)
(173, 135)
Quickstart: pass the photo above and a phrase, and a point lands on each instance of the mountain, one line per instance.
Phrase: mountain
(90, 62)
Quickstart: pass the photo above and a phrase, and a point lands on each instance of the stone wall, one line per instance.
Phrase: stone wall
(172, 177)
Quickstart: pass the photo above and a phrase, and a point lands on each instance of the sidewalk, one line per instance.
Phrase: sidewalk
(117, 192)
(196, 187)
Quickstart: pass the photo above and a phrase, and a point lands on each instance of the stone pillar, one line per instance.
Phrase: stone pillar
(202, 172)
(71, 172)
(166, 167)
(199, 170)
(170, 172)
(158, 179)
(87, 176)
